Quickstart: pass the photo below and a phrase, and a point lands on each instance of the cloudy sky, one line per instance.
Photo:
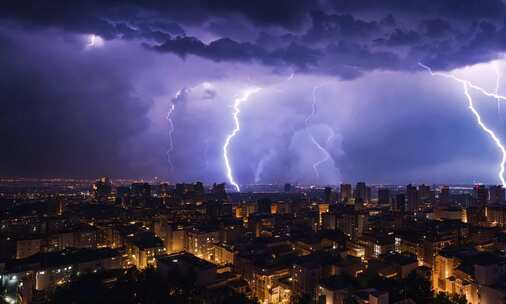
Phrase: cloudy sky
(338, 94)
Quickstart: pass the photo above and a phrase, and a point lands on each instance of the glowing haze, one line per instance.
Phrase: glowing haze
(157, 88)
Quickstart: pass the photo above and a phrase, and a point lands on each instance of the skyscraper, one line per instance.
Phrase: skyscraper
(497, 195)
(444, 196)
(424, 194)
(412, 194)
(345, 192)
(101, 189)
(328, 194)
(399, 202)
(480, 195)
(384, 196)
(264, 206)
(361, 192)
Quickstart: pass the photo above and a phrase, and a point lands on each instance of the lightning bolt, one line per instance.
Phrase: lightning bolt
(168, 117)
(171, 135)
(235, 115)
(325, 153)
(497, 84)
(467, 84)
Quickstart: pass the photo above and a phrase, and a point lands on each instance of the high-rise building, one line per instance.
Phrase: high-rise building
(328, 194)
(288, 187)
(497, 195)
(264, 206)
(444, 196)
(477, 214)
(412, 194)
(480, 195)
(424, 193)
(345, 192)
(399, 202)
(101, 189)
(219, 191)
(199, 188)
(122, 195)
(140, 193)
(361, 192)
(384, 196)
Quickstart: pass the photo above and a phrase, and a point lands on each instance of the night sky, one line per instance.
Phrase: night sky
(86, 87)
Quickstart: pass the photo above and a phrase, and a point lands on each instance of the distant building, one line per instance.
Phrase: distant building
(384, 196)
(425, 194)
(219, 191)
(361, 192)
(264, 206)
(444, 196)
(140, 194)
(399, 203)
(345, 192)
(412, 195)
(101, 189)
(480, 195)
(328, 194)
(497, 194)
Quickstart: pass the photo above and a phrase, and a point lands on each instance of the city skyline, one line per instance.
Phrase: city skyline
(342, 91)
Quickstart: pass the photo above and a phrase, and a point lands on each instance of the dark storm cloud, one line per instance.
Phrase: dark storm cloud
(435, 27)
(228, 50)
(458, 32)
(69, 109)
(400, 37)
(82, 15)
(457, 9)
(329, 27)
(62, 114)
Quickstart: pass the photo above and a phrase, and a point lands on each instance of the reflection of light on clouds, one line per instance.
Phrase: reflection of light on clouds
(94, 41)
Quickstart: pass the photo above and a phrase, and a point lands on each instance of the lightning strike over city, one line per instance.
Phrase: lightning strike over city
(466, 84)
(325, 154)
(127, 57)
(206, 151)
(235, 115)
(171, 132)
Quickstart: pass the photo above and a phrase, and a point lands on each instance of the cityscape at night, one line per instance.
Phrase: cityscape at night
(253, 151)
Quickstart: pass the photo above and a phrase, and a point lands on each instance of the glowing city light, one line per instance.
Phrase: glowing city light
(467, 84)
(235, 115)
